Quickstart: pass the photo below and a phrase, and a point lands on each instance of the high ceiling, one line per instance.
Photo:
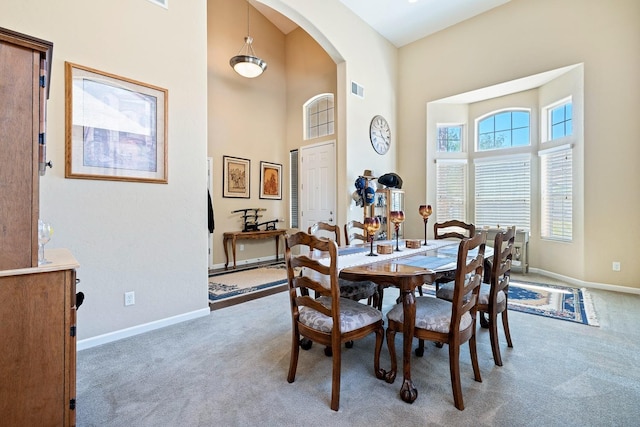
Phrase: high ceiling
(401, 21)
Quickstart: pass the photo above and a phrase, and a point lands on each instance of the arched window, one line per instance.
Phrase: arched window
(506, 129)
(319, 116)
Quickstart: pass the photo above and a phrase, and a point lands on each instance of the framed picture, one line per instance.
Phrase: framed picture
(116, 128)
(235, 178)
(270, 181)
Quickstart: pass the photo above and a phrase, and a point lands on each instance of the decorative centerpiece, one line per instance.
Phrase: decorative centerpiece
(425, 211)
(371, 225)
(397, 217)
(413, 243)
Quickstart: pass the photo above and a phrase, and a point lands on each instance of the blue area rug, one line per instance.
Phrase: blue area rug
(554, 301)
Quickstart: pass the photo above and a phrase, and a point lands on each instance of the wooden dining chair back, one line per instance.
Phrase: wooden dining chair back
(329, 319)
(326, 230)
(354, 232)
(494, 297)
(348, 289)
(453, 229)
(448, 322)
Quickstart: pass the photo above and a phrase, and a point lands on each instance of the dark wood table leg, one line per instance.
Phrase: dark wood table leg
(277, 246)
(225, 243)
(233, 250)
(408, 392)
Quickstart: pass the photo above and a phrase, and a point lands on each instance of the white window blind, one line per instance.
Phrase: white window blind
(557, 193)
(293, 189)
(451, 190)
(503, 192)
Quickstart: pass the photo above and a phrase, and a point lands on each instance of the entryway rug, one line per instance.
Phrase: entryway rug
(237, 284)
(555, 301)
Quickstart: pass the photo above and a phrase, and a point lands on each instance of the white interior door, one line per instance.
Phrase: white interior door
(317, 192)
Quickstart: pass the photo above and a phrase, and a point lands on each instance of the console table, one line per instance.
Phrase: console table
(233, 236)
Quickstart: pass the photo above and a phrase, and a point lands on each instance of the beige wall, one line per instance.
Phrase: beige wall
(147, 238)
(301, 64)
(511, 42)
(246, 117)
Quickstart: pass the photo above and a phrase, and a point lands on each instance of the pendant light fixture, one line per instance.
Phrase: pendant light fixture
(246, 63)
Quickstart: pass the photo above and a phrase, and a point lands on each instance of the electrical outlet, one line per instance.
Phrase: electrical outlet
(616, 266)
(129, 298)
(241, 247)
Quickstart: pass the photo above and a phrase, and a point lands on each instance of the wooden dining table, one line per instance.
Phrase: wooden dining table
(405, 270)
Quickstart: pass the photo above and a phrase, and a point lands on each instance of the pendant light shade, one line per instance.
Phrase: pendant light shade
(246, 63)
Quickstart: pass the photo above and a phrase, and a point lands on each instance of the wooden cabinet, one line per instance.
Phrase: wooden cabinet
(24, 65)
(38, 342)
(387, 200)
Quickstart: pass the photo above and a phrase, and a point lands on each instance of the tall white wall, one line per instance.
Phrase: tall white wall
(147, 238)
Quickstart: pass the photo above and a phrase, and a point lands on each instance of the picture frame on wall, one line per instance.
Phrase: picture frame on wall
(116, 128)
(236, 177)
(270, 181)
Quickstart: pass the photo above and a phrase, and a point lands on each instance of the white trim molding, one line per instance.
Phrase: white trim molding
(140, 329)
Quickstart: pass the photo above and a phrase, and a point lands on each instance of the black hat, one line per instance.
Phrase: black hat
(390, 180)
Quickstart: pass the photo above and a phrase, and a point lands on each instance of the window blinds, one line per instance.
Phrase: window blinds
(293, 189)
(451, 190)
(557, 193)
(503, 192)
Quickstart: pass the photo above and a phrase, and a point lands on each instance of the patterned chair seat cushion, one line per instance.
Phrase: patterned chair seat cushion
(446, 292)
(353, 315)
(432, 314)
(356, 290)
(483, 296)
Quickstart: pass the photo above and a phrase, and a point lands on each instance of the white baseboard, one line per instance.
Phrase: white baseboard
(139, 329)
(241, 262)
(582, 283)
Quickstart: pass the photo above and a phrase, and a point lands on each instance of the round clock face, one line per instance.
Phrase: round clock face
(380, 134)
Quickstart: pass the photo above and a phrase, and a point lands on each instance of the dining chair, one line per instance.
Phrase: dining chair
(448, 322)
(329, 319)
(348, 289)
(494, 298)
(354, 232)
(452, 229)
(323, 229)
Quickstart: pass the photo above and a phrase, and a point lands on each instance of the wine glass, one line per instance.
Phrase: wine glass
(371, 224)
(45, 231)
(425, 211)
(397, 217)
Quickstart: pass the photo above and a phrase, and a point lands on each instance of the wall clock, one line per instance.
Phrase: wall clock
(380, 134)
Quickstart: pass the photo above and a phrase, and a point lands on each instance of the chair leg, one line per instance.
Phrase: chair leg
(420, 349)
(376, 356)
(391, 345)
(295, 351)
(493, 336)
(484, 323)
(454, 368)
(474, 358)
(335, 382)
(505, 324)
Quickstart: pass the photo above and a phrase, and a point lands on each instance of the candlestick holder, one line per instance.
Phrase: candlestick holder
(397, 217)
(425, 211)
(371, 225)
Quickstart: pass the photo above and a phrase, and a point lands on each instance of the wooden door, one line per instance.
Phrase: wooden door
(317, 192)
